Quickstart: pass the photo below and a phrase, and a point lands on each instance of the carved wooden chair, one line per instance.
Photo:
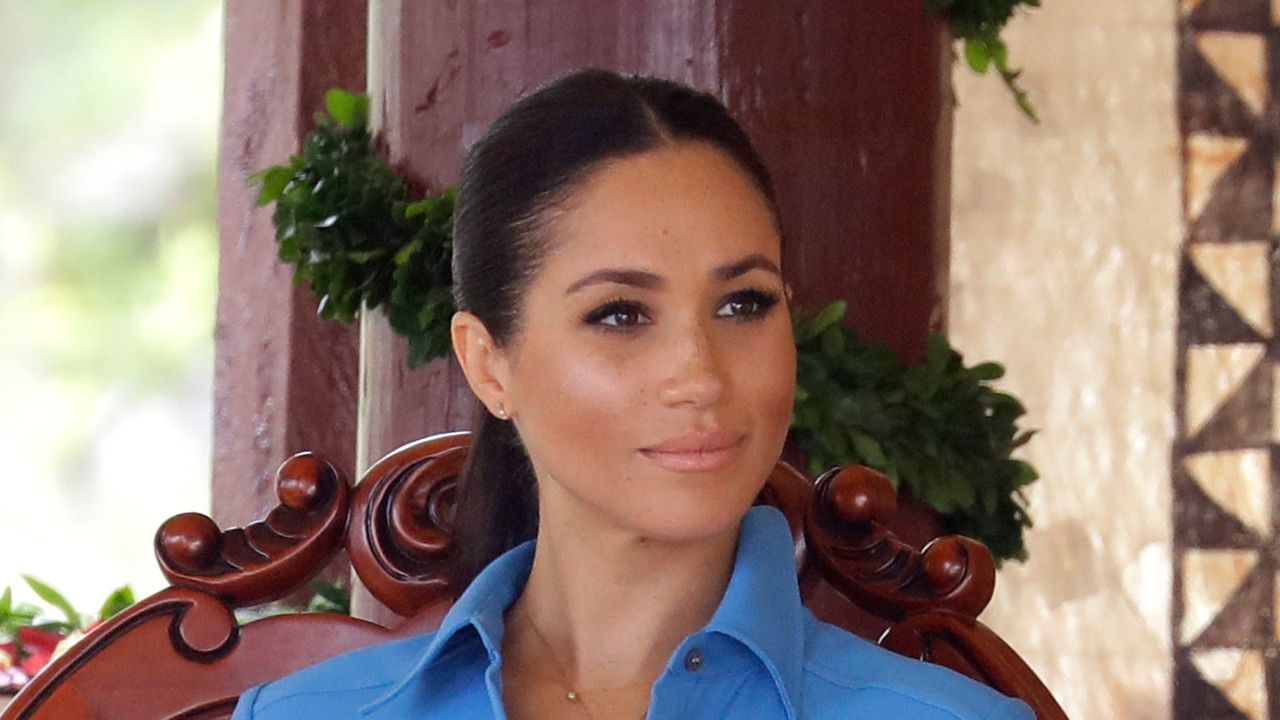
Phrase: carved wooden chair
(180, 654)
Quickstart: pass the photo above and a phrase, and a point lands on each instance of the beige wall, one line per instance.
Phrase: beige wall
(1064, 268)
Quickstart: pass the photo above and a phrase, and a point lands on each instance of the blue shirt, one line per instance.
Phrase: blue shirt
(762, 655)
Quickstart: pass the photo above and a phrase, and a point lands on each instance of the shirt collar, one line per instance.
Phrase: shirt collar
(760, 608)
(761, 605)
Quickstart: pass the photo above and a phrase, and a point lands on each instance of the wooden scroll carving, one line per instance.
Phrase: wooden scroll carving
(400, 535)
(180, 653)
(873, 568)
(268, 559)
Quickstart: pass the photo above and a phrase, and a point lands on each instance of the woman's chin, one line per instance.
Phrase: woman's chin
(678, 517)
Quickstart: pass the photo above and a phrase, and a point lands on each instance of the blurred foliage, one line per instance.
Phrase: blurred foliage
(14, 616)
(939, 429)
(332, 597)
(112, 284)
(108, 261)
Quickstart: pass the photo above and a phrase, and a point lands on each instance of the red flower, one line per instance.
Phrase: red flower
(34, 663)
(38, 642)
(37, 646)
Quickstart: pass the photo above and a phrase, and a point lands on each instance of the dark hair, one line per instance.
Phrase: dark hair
(530, 161)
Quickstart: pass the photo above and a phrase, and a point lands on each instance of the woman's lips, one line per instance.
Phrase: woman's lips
(697, 454)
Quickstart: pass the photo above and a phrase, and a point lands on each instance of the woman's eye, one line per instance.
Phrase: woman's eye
(618, 315)
(748, 304)
(622, 315)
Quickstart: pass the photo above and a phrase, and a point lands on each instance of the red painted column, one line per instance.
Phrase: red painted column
(850, 104)
(847, 101)
(283, 381)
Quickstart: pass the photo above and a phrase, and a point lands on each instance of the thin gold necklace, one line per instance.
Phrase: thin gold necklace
(571, 695)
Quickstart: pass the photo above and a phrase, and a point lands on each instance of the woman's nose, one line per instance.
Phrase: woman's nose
(695, 376)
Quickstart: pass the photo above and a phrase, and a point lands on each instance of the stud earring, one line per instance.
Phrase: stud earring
(502, 412)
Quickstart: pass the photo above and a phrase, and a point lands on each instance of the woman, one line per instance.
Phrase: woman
(624, 321)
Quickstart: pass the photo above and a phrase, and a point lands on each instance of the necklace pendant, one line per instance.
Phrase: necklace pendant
(572, 696)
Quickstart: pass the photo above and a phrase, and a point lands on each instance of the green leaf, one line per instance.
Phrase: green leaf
(1021, 439)
(271, 183)
(829, 316)
(117, 601)
(55, 598)
(987, 371)
(417, 209)
(330, 597)
(975, 53)
(6, 602)
(1000, 56)
(868, 448)
(962, 492)
(365, 256)
(349, 109)
(1026, 474)
(938, 353)
(404, 254)
(833, 341)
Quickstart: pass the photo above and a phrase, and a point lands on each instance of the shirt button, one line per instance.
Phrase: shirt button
(693, 660)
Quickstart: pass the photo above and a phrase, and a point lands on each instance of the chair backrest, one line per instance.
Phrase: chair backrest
(180, 653)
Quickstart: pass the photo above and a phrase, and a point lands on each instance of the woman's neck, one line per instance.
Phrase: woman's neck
(614, 605)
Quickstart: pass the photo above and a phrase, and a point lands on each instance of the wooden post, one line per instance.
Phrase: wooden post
(284, 381)
(847, 101)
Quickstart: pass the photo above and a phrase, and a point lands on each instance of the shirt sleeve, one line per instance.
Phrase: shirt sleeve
(244, 707)
(1009, 709)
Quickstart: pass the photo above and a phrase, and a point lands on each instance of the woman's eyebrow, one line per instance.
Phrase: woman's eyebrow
(651, 281)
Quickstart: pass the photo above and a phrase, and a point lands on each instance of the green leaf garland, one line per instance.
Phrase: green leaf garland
(347, 224)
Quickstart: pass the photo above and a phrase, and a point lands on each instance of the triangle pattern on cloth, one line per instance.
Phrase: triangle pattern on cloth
(1210, 579)
(1240, 59)
(1215, 375)
(1239, 482)
(1241, 274)
(1244, 419)
(1241, 676)
(1207, 103)
(1209, 159)
(1201, 523)
(1233, 196)
(1207, 317)
(1241, 622)
(1194, 697)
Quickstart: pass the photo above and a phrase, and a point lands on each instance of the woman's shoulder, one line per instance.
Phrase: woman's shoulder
(844, 672)
(336, 687)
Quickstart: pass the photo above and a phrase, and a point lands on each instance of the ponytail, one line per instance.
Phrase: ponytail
(497, 500)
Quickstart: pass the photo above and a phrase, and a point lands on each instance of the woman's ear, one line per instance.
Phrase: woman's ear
(483, 363)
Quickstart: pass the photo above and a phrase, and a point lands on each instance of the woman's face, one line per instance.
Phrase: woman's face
(653, 376)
